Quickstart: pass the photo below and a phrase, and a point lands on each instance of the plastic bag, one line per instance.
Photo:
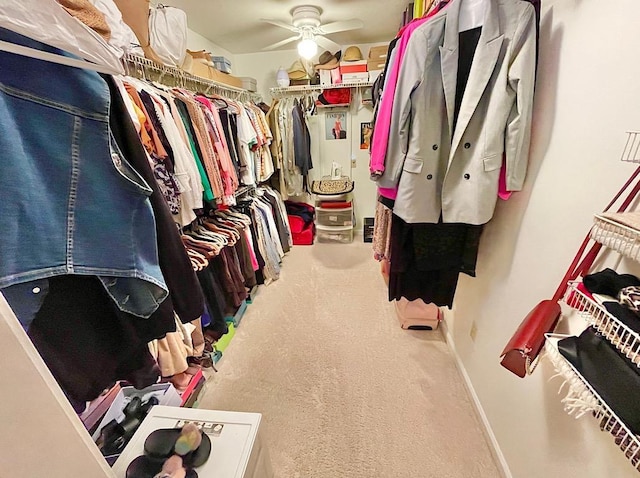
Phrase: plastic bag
(47, 22)
(168, 34)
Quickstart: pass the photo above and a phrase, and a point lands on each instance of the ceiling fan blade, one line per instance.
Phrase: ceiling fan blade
(341, 26)
(327, 44)
(281, 43)
(280, 24)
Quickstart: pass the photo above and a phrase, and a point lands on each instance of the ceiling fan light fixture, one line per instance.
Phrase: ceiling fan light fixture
(307, 48)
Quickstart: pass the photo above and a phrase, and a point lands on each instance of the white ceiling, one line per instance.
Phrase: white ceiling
(235, 26)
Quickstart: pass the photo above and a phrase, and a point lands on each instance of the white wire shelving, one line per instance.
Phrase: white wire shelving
(616, 232)
(146, 69)
(617, 236)
(581, 399)
(631, 152)
(283, 91)
(626, 340)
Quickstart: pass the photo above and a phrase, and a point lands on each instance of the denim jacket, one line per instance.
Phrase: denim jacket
(70, 203)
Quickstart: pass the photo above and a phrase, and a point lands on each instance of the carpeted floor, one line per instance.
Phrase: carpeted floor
(344, 391)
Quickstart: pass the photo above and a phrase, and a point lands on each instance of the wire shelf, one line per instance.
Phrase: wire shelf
(146, 69)
(631, 152)
(581, 398)
(616, 236)
(282, 91)
(621, 336)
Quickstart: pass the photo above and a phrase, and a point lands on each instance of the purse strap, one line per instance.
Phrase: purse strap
(579, 267)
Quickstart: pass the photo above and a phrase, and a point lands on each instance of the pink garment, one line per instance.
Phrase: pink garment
(503, 192)
(254, 259)
(380, 139)
(228, 172)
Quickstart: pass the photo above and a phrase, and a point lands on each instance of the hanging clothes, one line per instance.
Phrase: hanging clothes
(491, 118)
(58, 203)
(164, 174)
(442, 180)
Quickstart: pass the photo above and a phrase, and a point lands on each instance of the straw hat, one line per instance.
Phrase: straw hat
(352, 53)
(297, 71)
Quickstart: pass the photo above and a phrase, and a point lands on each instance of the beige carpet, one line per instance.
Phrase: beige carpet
(343, 390)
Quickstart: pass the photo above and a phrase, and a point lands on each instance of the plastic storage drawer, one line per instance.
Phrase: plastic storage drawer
(342, 235)
(334, 217)
(333, 197)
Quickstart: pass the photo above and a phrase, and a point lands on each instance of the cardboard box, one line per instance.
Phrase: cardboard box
(348, 69)
(225, 79)
(353, 63)
(378, 52)
(204, 71)
(99, 407)
(355, 78)
(373, 65)
(164, 392)
(248, 83)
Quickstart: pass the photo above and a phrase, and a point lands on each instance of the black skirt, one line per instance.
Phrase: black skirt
(427, 258)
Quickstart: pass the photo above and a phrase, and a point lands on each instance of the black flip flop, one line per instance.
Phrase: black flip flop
(160, 446)
(145, 467)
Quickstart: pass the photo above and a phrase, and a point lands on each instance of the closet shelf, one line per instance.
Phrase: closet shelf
(581, 398)
(620, 335)
(146, 69)
(631, 152)
(320, 88)
(616, 236)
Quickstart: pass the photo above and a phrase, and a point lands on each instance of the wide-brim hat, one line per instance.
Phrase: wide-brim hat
(297, 71)
(328, 61)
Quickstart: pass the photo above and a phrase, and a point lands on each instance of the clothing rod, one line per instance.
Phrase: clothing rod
(133, 62)
(53, 58)
(303, 90)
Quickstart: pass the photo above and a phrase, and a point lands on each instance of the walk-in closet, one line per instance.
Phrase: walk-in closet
(328, 239)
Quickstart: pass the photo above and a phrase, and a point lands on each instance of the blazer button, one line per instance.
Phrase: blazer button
(435, 147)
(467, 176)
(467, 145)
(429, 177)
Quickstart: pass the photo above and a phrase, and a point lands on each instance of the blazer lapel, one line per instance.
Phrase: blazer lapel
(484, 62)
(449, 60)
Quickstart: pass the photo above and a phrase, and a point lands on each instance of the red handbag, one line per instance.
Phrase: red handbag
(524, 346)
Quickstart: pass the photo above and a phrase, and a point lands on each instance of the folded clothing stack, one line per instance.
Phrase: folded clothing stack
(622, 292)
(301, 221)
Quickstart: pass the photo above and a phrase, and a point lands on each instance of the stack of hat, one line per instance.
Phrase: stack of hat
(328, 61)
(298, 74)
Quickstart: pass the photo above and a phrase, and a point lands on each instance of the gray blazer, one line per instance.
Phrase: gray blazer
(456, 174)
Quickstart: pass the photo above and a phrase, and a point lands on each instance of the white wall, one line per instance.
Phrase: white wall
(263, 66)
(587, 97)
(41, 433)
(196, 42)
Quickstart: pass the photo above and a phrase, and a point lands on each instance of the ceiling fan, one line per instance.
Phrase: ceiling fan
(308, 28)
